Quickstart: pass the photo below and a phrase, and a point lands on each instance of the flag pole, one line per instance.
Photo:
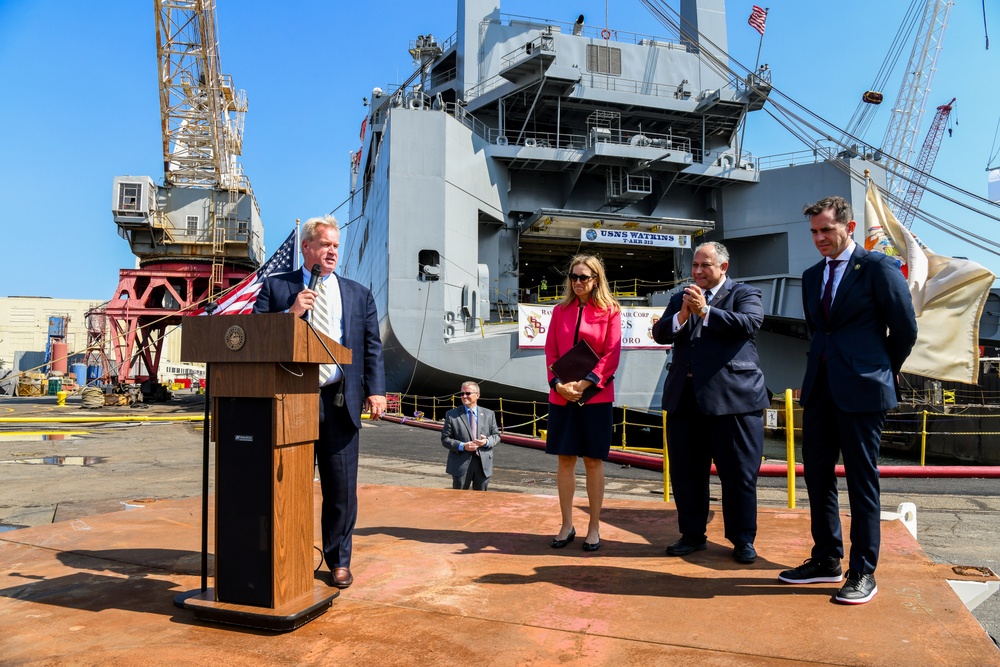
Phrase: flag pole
(297, 250)
(760, 42)
(756, 68)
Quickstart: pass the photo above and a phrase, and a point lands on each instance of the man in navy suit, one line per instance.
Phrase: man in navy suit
(352, 322)
(860, 315)
(470, 433)
(714, 396)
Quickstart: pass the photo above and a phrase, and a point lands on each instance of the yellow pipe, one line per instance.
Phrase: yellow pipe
(666, 461)
(790, 446)
(86, 420)
(923, 440)
(624, 421)
(6, 433)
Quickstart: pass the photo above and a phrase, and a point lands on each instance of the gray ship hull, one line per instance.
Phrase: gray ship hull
(470, 192)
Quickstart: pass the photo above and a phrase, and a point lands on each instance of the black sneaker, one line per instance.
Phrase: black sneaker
(814, 571)
(859, 589)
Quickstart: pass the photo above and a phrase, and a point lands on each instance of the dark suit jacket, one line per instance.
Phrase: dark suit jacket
(871, 331)
(456, 431)
(721, 357)
(365, 376)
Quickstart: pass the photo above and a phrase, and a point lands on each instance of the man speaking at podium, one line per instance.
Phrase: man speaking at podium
(345, 311)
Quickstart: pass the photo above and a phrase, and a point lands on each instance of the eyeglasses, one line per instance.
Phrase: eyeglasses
(466, 393)
(579, 277)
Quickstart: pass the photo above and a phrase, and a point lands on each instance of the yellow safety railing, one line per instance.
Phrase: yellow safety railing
(516, 416)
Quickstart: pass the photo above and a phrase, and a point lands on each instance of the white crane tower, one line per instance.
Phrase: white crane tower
(200, 232)
(904, 124)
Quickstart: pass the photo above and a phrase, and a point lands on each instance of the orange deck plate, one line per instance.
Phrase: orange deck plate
(445, 577)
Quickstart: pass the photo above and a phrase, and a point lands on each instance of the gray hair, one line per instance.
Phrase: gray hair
(721, 253)
(469, 384)
(313, 226)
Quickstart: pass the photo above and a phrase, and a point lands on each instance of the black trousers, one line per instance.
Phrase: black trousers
(828, 433)
(736, 444)
(337, 460)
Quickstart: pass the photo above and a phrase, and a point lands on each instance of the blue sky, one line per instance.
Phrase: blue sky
(80, 106)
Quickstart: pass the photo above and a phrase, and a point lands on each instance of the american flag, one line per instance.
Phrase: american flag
(758, 17)
(240, 299)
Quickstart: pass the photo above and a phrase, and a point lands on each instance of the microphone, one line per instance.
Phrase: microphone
(315, 274)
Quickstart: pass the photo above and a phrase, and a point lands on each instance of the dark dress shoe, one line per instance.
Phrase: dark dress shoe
(587, 546)
(685, 546)
(342, 577)
(559, 544)
(745, 553)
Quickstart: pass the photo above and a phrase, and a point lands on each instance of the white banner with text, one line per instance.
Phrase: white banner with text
(630, 237)
(637, 326)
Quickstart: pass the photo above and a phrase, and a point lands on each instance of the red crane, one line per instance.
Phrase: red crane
(925, 163)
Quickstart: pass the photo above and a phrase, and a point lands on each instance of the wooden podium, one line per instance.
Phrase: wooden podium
(263, 379)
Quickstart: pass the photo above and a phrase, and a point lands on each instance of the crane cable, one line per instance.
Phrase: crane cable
(800, 121)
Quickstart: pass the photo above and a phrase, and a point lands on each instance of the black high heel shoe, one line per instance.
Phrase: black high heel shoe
(587, 546)
(559, 544)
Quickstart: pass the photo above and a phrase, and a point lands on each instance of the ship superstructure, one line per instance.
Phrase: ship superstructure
(521, 142)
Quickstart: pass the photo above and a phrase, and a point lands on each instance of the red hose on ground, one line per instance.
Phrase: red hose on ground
(649, 462)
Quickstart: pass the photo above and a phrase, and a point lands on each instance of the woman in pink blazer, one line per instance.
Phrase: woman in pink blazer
(589, 313)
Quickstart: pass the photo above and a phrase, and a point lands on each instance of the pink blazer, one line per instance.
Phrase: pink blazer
(602, 329)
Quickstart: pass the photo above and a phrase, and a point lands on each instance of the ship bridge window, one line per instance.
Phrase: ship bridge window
(604, 59)
(429, 263)
(192, 225)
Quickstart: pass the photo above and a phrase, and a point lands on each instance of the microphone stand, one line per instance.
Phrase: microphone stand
(206, 440)
(316, 275)
(338, 400)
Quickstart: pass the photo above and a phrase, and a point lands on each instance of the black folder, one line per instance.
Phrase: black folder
(576, 365)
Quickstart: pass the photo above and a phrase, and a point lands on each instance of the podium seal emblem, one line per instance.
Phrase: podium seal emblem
(236, 337)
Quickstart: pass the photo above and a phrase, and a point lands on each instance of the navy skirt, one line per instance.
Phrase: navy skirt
(580, 430)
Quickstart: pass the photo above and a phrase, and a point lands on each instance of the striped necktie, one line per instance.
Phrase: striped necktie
(321, 320)
(473, 424)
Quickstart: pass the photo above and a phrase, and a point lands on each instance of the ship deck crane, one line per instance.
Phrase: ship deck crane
(200, 232)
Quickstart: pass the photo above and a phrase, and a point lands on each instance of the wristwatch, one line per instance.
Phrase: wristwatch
(704, 310)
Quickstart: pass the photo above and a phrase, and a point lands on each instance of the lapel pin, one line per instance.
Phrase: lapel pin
(857, 267)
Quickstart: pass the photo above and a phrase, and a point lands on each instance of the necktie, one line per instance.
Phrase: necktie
(828, 289)
(321, 320)
(473, 424)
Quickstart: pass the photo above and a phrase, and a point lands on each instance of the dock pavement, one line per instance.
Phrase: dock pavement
(443, 577)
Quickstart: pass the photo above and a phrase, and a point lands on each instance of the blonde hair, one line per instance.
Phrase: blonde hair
(600, 294)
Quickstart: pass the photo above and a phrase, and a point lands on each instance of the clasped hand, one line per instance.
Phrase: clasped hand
(692, 303)
(572, 391)
(478, 443)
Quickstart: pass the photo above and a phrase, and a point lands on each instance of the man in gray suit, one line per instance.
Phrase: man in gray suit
(470, 433)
